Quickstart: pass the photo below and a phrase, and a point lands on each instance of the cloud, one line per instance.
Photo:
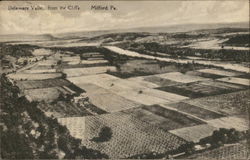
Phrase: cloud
(129, 15)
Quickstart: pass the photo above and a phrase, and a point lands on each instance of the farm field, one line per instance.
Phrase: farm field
(203, 74)
(196, 111)
(235, 103)
(235, 80)
(246, 76)
(222, 85)
(120, 85)
(88, 55)
(82, 65)
(233, 151)
(47, 62)
(141, 80)
(180, 77)
(43, 94)
(95, 58)
(164, 95)
(149, 66)
(37, 76)
(238, 123)
(140, 67)
(194, 133)
(62, 109)
(86, 63)
(94, 62)
(162, 82)
(130, 136)
(109, 82)
(70, 58)
(95, 79)
(74, 72)
(198, 89)
(111, 102)
(165, 120)
(130, 90)
(142, 98)
(42, 52)
(35, 84)
(75, 125)
(219, 72)
(34, 71)
(106, 100)
(31, 84)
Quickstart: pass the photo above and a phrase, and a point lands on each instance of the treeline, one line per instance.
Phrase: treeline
(239, 40)
(177, 52)
(16, 50)
(77, 50)
(121, 36)
(27, 133)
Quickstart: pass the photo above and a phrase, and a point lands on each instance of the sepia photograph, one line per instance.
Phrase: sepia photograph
(126, 79)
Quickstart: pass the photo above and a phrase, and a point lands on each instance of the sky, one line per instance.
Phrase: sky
(128, 14)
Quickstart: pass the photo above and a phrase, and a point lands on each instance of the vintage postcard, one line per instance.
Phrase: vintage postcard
(124, 79)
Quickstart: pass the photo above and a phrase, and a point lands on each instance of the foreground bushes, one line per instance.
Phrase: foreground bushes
(26, 132)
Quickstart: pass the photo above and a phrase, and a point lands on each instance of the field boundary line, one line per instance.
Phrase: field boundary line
(188, 114)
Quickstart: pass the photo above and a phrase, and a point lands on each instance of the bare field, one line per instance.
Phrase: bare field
(42, 52)
(109, 82)
(37, 76)
(194, 133)
(238, 123)
(105, 99)
(74, 72)
(75, 125)
(43, 94)
(100, 80)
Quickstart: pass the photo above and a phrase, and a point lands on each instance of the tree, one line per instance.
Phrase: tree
(105, 134)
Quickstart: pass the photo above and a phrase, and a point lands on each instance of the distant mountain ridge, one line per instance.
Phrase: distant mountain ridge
(26, 37)
(156, 29)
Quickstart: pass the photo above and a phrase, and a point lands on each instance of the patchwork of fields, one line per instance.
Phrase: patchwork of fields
(146, 106)
(130, 136)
